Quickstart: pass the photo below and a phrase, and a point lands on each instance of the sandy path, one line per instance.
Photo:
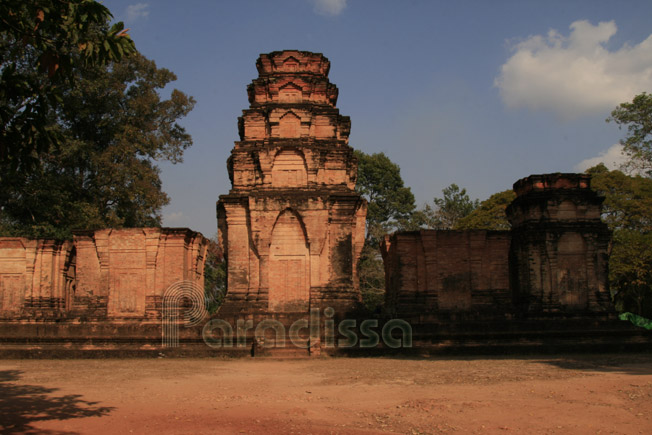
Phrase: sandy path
(584, 394)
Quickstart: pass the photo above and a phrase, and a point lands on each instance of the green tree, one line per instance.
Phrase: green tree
(630, 271)
(453, 206)
(371, 274)
(113, 127)
(637, 117)
(390, 206)
(424, 217)
(490, 214)
(628, 199)
(444, 213)
(627, 210)
(43, 43)
(390, 202)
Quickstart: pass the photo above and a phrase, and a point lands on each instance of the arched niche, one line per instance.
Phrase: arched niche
(290, 93)
(289, 169)
(289, 125)
(290, 64)
(289, 265)
(572, 276)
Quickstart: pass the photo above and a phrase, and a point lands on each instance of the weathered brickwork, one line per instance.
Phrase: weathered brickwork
(554, 260)
(292, 226)
(101, 275)
(292, 229)
(559, 252)
(36, 277)
(432, 272)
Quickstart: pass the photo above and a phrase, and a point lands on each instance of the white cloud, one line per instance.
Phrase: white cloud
(613, 158)
(329, 7)
(139, 10)
(575, 75)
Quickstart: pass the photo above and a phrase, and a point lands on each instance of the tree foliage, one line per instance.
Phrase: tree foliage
(490, 214)
(637, 117)
(453, 206)
(214, 276)
(113, 127)
(630, 271)
(390, 202)
(371, 274)
(43, 43)
(390, 207)
(628, 199)
(445, 213)
(424, 217)
(627, 210)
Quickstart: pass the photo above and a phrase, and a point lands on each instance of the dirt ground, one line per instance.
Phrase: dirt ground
(570, 394)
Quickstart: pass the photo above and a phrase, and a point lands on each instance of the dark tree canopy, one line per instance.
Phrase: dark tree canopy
(628, 199)
(445, 213)
(390, 202)
(490, 214)
(43, 44)
(627, 210)
(630, 271)
(214, 276)
(453, 206)
(113, 127)
(390, 208)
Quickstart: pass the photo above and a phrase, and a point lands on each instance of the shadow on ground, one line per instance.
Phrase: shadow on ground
(625, 363)
(22, 405)
(631, 364)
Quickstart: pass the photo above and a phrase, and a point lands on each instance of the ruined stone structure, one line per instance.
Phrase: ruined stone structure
(559, 245)
(292, 227)
(126, 272)
(101, 275)
(104, 293)
(553, 261)
(36, 277)
(429, 273)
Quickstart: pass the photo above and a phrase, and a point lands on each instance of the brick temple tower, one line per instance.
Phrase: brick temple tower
(559, 246)
(292, 226)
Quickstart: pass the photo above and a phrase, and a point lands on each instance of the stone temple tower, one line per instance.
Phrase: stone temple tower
(292, 226)
(559, 259)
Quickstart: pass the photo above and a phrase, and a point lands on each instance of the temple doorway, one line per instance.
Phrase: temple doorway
(289, 278)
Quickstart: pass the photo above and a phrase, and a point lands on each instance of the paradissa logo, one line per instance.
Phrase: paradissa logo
(184, 302)
(218, 333)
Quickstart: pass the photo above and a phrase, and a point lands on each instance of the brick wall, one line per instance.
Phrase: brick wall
(432, 272)
(35, 277)
(554, 261)
(101, 274)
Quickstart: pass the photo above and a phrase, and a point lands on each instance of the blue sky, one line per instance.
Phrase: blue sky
(478, 93)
